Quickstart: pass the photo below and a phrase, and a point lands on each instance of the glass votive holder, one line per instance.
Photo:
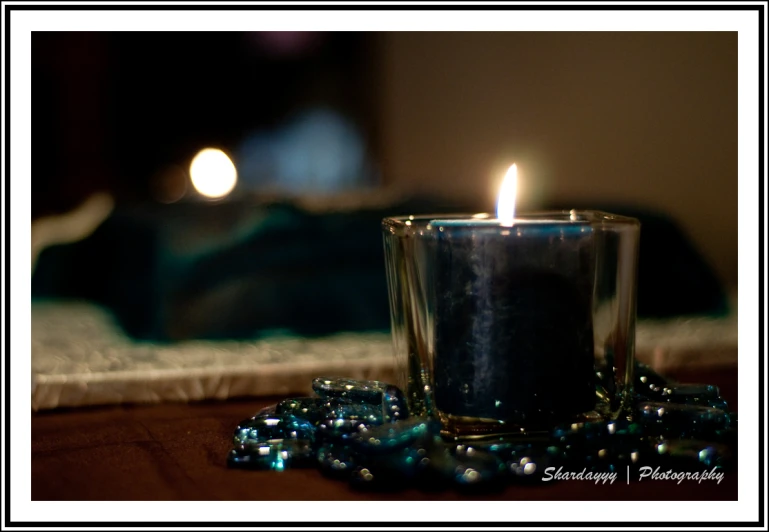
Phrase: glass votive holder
(513, 329)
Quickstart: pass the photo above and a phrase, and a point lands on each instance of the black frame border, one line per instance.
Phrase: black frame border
(432, 5)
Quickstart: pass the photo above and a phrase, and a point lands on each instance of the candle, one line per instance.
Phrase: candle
(514, 323)
(513, 329)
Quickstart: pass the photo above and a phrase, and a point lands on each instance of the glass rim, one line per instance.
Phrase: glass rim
(557, 216)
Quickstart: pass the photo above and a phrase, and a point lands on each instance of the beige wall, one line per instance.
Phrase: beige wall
(643, 118)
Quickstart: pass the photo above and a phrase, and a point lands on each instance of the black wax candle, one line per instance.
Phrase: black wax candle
(513, 321)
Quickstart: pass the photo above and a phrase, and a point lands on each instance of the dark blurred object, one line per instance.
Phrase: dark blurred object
(120, 112)
(241, 270)
(230, 270)
(673, 277)
(69, 119)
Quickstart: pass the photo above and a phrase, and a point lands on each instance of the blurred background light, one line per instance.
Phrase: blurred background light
(319, 151)
(212, 173)
(286, 43)
(169, 184)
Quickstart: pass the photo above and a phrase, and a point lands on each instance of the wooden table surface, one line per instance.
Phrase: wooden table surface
(177, 451)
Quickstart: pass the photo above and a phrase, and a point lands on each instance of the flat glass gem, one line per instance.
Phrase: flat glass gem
(258, 429)
(369, 414)
(297, 428)
(684, 421)
(466, 468)
(394, 436)
(394, 403)
(389, 469)
(267, 411)
(362, 432)
(335, 459)
(647, 378)
(359, 391)
(342, 428)
(276, 455)
(308, 408)
(694, 453)
(682, 393)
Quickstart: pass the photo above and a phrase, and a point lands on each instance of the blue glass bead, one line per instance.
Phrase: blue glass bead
(581, 433)
(258, 429)
(614, 456)
(297, 428)
(362, 476)
(371, 415)
(335, 459)
(389, 469)
(308, 408)
(358, 391)
(529, 465)
(389, 400)
(598, 446)
(687, 391)
(361, 430)
(684, 421)
(341, 428)
(522, 460)
(275, 455)
(394, 403)
(697, 453)
(267, 411)
(647, 378)
(394, 436)
(465, 466)
(692, 394)
(718, 403)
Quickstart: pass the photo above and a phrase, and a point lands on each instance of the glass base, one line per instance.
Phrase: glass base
(464, 428)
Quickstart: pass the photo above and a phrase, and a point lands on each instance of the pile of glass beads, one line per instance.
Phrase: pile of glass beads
(361, 431)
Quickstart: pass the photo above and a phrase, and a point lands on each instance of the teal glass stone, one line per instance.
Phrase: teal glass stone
(363, 477)
(683, 421)
(687, 391)
(466, 466)
(296, 428)
(693, 394)
(369, 414)
(648, 379)
(335, 459)
(276, 455)
(598, 446)
(362, 431)
(357, 391)
(389, 400)
(694, 453)
(596, 433)
(529, 466)
(390, 469)
(394, 403)
(650, 386)
(253, 432)
(342, 428)
(267, 411)
(259, 429)
(395, 436)
(308, 408)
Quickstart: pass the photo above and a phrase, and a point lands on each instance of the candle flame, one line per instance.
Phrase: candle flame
(506, 197)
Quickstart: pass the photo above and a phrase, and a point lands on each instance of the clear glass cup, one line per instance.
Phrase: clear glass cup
(513, 329)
